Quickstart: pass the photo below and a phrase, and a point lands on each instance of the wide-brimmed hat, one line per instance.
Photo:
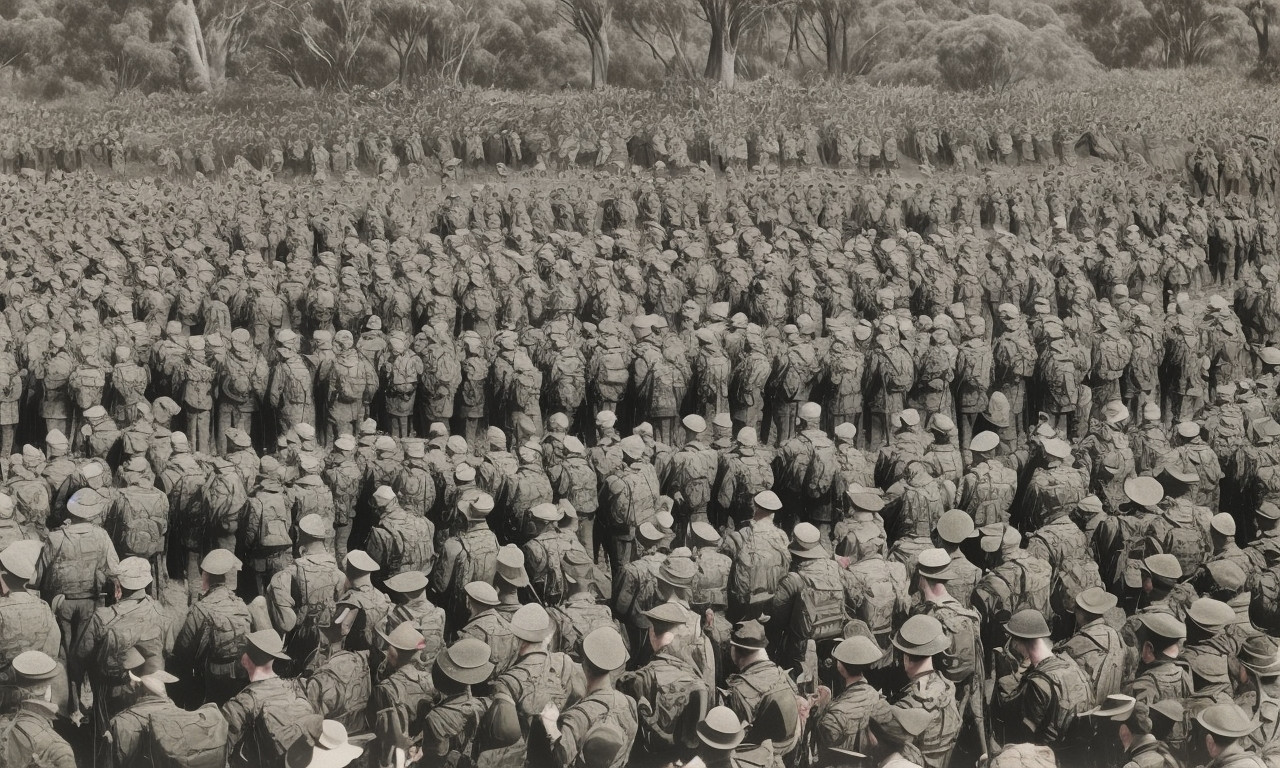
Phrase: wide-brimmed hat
(921, 635)
(334, 749)
(466, 661)
(721, 729)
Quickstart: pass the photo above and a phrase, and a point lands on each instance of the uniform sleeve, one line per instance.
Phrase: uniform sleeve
(84, 650)
(123, 739)
(1039, 548)
(280, 603)
(187, 642)
(442, 574)
(573, 727)
(781, 604)
(237, 715)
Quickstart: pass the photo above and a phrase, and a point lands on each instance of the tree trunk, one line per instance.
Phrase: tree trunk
(600, 59)
(217, 46)
(184, 31)
(721, 56)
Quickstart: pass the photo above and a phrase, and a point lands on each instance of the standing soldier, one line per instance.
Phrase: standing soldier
(399, 541)
(28, 728)
(77, 563)
(1013, 362)
(711, 374)
(841, 381)
(133, 621)
(26, 622)
(291, 389)
(403, 689)
(759, 685)
(689, 475)
(211, 638)
(747, 383)
(573, 480)
(55, 400)
(744, 471)
(789, 383)
(544, 553)
(343, 476)
(197, 385)
(810, 601)
(655, 380)
(573, 731)
(761, 556)
(488, 625)
(129, 383)
(270, 718)
(265, 529)
(242, 385)
(349, 382)
(629, 499)
(300, 599)
(890, 374)
(1054, 487)
(470, 555)
(409, 592)
(402, 370)
(1096, 646)
(608, 373)
(371, 605)
(473, 391)
(566, 380)
(139, 519)
(919, 639)
(844, 722)
(805, 468)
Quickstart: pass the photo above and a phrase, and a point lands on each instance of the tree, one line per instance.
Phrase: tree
(663, 27)
(319, 42)
(28, 37)
(208, 33)
(1116, 32)
(591, 19)
(405, 25)
(729, 21)
(1260, 15)
(1187, 29)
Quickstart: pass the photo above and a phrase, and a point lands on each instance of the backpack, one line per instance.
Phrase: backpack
(480, 560)
(182, 739)
(273, 523)
(1266, 738)
(758, 567)
(680, 701)
(235, 380)
(139, 532)
(1075, 575)
(285, 726)
(961, 624)
(548, 687)
(316, 592)
(226, 635)
(404, 380)
(345, 680)
(820, 475)
(349, 382)
(573, 628)
(880, 600)
(1061, 380)
(446, 373)
(613, 368)
(1062, 724)
(567, 380)
(821, 614)
(1037, 580)
(121, 635)
(1185, 542)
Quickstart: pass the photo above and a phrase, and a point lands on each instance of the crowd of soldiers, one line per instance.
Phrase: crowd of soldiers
(777, 470)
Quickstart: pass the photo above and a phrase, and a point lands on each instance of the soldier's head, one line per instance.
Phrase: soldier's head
(1028, 634)
(403, 644)
(854, 656)
(34, 673)
(261, 651)
(1131, 718)
(1217, 728)
(132, 577)
(481, 595)
(918, 640)
(216, 567)
(406, 586)
(18, 565)
(1160, 636)
(903, 729)
(1160, 573)
(748, 643)
(57, 444)
(358, 567)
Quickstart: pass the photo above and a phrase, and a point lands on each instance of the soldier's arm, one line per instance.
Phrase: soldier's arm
(123, 737)
(85, 649)
(779, 609)
(573, 725)
(442, 574)
(187, 642)
(237, 714)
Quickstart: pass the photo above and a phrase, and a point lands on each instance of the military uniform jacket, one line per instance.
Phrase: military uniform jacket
(490, 627)
(1058, 541)
(396, 705)
(26, 624)
(934, 693)
(210, 640)
(748, 690)
(129, 732)
(78, 561)
(1162, 679)
(244, 709)
(604, 705)
(843, 724)
(1098, 650)
(1147, 752)
(30, 740)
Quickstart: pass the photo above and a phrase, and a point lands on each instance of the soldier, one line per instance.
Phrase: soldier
(934, 572)
(371, 605)
(629, 498)
(151, 728)
(270, 718)
(666, 681)
(759, 684)
(139, 519)
(197, 387)
(399, 541)
(28, 494)
(820, 615)
(402, 370)
(242, 384)
(212, 636)
(343, 476)
(574, 481)
(1160, 675)
(488, 625)
(291, 387)
(404, 687)
(760, 558)
(1141, 748)
(1039, 704)
(240, 453)
(349, 382)
(470, 555)
(1096, 646)
(409, 592)
(264, 531)
(953, 529)
(1054, 487)
(300, 598)
(919, 639)
(129, 383)
(55, 400)
(571, 731)
(805, 469)
(134, 620)
(77, 563)
(688, 476)
(843, 722)
(545, 553)
(744, 471)
(635, 585)
(751, 371)
(27, 728)
(1225, 728)
(26, 622)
